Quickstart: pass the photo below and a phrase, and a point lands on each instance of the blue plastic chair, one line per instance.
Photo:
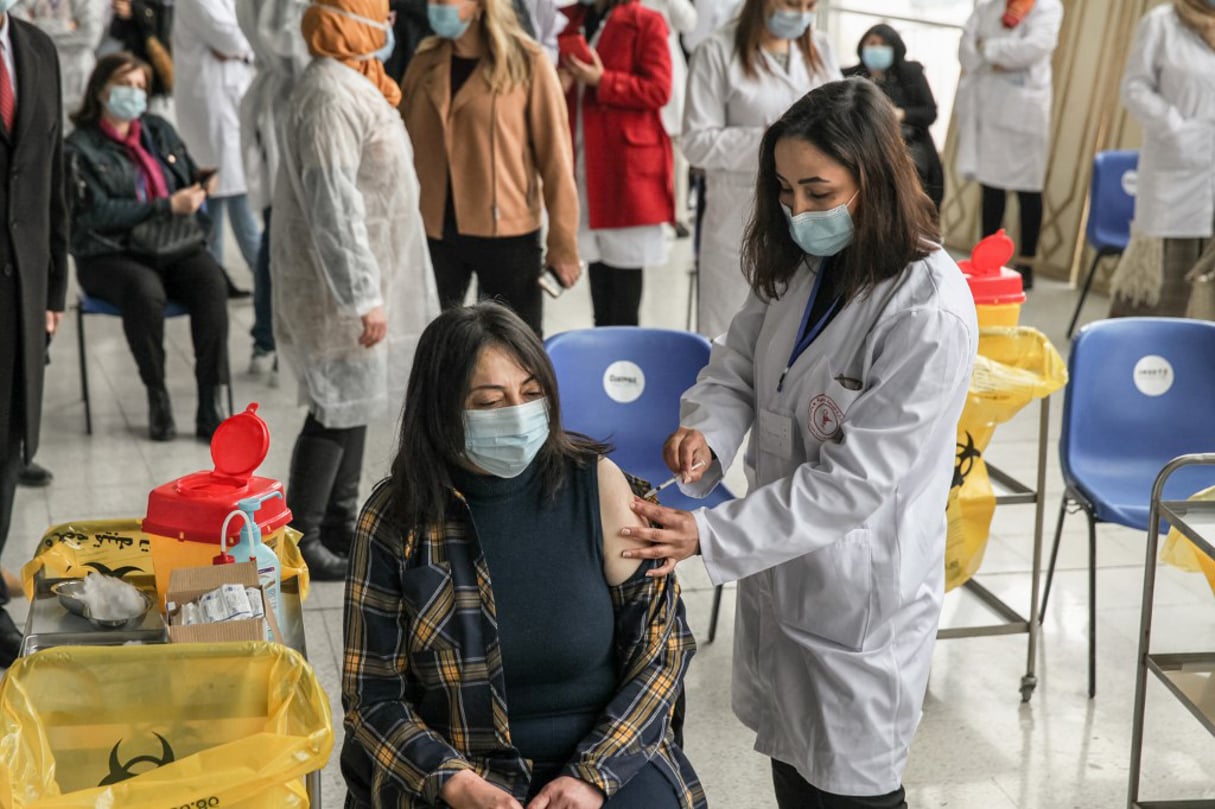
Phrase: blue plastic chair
(622, 385)
(1139, 394)
(86, 305)
(1110, 210)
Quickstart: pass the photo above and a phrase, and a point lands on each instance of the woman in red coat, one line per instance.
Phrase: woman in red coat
(622, 154)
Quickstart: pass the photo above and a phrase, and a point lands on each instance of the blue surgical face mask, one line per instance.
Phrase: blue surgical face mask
(127, 103)
(390, 44)
(821, 233)
(7, 5)
(445, 21)
(877, 57)
(504, 440)
(788, 24)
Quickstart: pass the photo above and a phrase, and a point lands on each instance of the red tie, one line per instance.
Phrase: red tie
(8, 105)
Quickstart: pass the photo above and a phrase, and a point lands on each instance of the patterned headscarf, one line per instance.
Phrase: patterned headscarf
(350, 31)
(1015, 11)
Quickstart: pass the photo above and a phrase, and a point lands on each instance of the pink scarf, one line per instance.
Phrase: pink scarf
(147, 165)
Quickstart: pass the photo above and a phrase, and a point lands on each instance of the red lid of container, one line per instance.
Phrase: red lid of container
(195, 506)
(990, 281)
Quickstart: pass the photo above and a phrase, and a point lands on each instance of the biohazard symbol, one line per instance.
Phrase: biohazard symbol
(966, 461)
(120, 772)
(117, 573)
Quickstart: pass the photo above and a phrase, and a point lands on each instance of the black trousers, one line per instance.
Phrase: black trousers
(1030, 203)
(795, 792)
(615, 294)
(140, 289)
(507, 269)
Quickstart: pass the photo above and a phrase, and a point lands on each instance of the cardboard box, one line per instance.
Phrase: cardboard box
(188, 583)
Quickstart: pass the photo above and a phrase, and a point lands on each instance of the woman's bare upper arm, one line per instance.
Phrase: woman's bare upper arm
(616, 512)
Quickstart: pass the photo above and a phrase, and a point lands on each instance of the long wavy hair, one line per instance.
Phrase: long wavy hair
(752, 20)
(432, 425)
(507, 63)
(895, 223)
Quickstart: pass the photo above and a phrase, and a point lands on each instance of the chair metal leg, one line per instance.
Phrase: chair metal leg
(1092, 605)
(1088, 283)
(1054, 556)
(716, 610)
(84, 372)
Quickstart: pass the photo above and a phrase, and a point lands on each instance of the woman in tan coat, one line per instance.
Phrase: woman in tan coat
(491, 140)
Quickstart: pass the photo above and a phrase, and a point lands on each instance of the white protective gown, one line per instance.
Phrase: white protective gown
(839, 547)
(347, 236)
(76, 27)
(725, 116)
(272, 28)
(1169, 86)
(209, 88)
(1003, 104)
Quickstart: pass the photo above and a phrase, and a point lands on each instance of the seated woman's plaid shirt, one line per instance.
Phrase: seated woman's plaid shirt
(423, 686)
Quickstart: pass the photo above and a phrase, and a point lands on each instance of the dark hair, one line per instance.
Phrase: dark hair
(890, 37)
(432, 425)
(853, 123)
(751, 22)
(107, 68)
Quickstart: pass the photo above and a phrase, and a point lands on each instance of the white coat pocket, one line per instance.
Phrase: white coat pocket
(829, 593)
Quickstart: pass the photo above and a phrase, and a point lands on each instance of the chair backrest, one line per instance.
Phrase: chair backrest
(1140, 391)
(1111, 204)
(622, 385)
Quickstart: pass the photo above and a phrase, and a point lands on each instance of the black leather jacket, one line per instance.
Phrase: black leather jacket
(104, 184)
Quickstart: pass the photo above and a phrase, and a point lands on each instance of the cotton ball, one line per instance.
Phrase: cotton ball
(111, 599)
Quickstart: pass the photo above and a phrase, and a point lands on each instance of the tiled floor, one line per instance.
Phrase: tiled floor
(978, 746)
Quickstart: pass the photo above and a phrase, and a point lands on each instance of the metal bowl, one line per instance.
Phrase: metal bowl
(112, 623)
(69, 594)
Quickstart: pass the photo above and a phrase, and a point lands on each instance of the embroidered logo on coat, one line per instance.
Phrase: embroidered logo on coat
(826, 418)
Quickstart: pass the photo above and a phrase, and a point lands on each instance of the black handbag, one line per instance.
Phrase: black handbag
(166, 237)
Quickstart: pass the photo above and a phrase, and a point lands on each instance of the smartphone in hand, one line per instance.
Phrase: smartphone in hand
(203, 176)
(551, 283)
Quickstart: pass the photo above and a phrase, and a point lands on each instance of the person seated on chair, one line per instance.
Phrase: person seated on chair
(487, 487)
(138, 235)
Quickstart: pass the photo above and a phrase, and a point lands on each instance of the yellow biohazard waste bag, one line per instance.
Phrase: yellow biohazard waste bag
(1015, 366)
(1178, 551)
(155, 727)
(119, 548)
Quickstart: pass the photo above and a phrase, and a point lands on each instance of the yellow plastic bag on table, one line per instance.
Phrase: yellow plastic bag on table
(1015, 366)
(1178, 551)
(119, 548)
(161, 726)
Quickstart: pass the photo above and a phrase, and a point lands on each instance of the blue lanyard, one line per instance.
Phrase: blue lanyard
(806, 336)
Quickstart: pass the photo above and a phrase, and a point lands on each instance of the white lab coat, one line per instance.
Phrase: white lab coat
(1004, 115)
(724, 122)
(1169, 86)
(680, 16)
(711, 16)
(272, 28)
(839, 545)
(209, 88)
(346, 237)
(76, 27)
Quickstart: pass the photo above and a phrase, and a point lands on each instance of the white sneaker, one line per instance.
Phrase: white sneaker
(261, 362)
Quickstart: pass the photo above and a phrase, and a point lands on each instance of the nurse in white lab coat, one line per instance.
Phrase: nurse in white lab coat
(849, 365)
(1169, 86)
(1003, 107)
(742, 79)
(213, 67)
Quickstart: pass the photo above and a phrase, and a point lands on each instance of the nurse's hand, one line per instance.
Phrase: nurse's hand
(687, 453)
(567, 792)
(675, 539)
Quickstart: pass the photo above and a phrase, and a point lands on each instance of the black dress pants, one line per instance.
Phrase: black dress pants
(1030, 203)
(140, 289)
(615, 294)
(795, 792)
(507, 269)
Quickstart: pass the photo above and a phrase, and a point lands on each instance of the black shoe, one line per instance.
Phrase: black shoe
(35, 476)
(323, 564)
(160, 416)
(209, 415)
(10, 640)
(681, 231)
(1027, 276)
